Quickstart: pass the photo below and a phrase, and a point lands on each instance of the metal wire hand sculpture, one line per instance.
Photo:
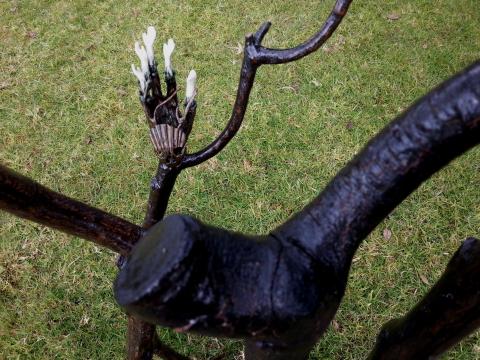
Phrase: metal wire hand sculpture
(278, 291)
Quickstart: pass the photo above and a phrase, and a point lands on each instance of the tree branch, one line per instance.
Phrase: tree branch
(142, 340)
(256, 55)
(432, 132)
(282, 56)
(280, 291)
(447, 314)
(30, 200)
(160, 189)
(247, 77)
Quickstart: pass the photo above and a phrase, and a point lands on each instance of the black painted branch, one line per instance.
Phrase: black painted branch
(160, 189)
(281, 291)
(447, 314)
(254, 56)
(30, 200)
(247, 77)
(281, 56)
(142, 341)
(439, 127)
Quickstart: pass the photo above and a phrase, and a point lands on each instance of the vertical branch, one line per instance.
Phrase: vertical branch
(141, 336)
(142, 341)
(160, 189)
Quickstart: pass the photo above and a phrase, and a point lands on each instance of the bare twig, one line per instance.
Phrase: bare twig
(256, 55)
(281, 56)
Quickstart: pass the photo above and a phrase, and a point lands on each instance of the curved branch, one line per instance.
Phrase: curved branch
(254, 56)
(281, 291)
(281, 56)
(30, 200)
(247, 77)
(439, 127)
(447, 314)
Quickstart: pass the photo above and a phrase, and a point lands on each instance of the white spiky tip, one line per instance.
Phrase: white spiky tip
(148, 40)
(140, 77)
(142, 55)
(191, 82)
(167, 54)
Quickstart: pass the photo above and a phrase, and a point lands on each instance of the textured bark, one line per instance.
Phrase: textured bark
(30, 200)
(447, 314)
(280, 291)
(141, 336)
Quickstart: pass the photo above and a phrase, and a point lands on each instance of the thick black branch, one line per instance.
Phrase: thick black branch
(30, 200)
(281, 291)
(447, 314)
(439, 127)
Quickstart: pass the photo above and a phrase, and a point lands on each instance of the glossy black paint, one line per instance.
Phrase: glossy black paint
(280, 291)
(30, 200)
(449, 312)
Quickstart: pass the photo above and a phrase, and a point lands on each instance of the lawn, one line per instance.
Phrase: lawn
(70, 118)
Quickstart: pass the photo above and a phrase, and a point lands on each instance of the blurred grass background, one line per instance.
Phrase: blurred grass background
(70, 119)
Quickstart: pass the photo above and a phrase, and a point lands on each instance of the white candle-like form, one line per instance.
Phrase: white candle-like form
(167, 54)
(140, 77)
(191, 81)
(142, 55)
(148, 40)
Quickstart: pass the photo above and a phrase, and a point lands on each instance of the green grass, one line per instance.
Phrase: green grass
(70, 118)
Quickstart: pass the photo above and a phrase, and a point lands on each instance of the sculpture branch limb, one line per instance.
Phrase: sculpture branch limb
(30, 200)
(256, 55)
(448, 313)
(280, 291)
(282, 56)
(142, 340)
(436, 129)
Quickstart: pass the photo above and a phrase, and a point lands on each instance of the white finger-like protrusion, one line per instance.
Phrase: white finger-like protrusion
(167, 54)
(148, 40)
(191, 83)
(142, 55)
(140, 77)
